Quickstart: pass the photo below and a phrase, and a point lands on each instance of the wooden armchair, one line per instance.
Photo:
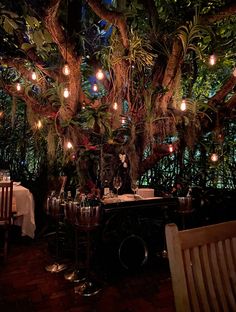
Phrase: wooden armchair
(203, 267)
(6, 195)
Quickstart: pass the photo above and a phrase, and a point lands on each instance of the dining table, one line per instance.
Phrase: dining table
(23, 209)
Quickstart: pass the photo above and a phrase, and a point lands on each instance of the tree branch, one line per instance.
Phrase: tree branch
(30, 101)
(224, 91)
(68, 52)
(223, 12)
(33, 57)
(114, 18)
(159, 151)
(172, 68)
(152, 11)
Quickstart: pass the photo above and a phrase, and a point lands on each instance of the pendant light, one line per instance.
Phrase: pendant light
(66, 93)
(171, 149)
(69, 145)
(39, 124)
(18, 86)
(214, 157)
(66, 68)
(99, 74)
(95, 87)
(183, 105)
(33, 75)
(212, 59)
(115, 106)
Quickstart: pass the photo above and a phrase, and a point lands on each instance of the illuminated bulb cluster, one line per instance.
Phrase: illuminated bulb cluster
(183, 105)
(214, 157)
(66, 70)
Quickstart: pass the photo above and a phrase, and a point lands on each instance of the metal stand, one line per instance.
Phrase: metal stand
(89, 286)
(88, 222)
(57, 214)
(185, 209)
(75, 275)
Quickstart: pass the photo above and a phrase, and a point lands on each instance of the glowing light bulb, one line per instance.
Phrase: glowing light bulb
(66, 70)
(183, 105)
(39, 124)
(234, 72)
(115, 106)
(1, 114)
(123, 119)
(18, 86)
(212, 60)
(34, 76)
(214, 157)
(66, 93)
(95, 87)
(69, 145)
(99, 74)
(171, 149)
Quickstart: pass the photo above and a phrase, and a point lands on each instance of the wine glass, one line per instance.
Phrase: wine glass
(117, 182)
(134, 187)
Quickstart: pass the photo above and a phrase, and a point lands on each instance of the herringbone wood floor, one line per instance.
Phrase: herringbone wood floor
(25, 286)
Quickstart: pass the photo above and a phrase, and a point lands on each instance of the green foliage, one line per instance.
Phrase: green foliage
(190, 36)
(98, 119)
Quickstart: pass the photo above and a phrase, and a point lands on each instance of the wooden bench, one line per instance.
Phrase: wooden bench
(203, 267)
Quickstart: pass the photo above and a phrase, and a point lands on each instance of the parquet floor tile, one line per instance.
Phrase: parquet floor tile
(25, 286)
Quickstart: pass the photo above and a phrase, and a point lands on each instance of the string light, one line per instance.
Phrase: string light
(99, 74)
(34, 76)
(69, 145)
(1, 114)
(171, 149)
(66, 93)
(115, 106)
(39, 124)
(123, 120)
(66, 70)
(212, 60)
(183, 105)
(95, 87)
(18, 86)
(214, 157)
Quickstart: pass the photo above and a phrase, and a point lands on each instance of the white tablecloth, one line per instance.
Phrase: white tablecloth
(125, 198)
(24, 210)
(145, 192)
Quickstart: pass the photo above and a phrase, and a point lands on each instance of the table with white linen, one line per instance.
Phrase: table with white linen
(24, 202)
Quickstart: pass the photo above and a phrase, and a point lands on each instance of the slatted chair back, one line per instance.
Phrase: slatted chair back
(203, 267)
(6, 194)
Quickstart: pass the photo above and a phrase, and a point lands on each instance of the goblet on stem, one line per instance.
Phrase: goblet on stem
(117, 182)
(134, 187)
